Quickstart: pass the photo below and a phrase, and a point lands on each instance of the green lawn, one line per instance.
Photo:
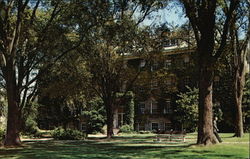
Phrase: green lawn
(129, 146)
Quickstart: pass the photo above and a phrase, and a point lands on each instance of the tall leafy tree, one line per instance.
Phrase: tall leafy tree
(202, 15)
(109, 45)
(27, 29)
(187, 109)
(246, 104)
(240, 48)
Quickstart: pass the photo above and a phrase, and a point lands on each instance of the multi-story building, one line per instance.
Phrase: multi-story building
(161, 78)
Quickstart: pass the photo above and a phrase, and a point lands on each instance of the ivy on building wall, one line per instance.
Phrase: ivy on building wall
(129, 106)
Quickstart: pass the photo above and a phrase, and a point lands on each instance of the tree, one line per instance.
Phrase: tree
(26, 31)
(187, 109)
(3, 109)
(202, 15)
(107, 64)
(107, 48)
(240, 48)
(95, 116)
(246, 104)
(65, 90)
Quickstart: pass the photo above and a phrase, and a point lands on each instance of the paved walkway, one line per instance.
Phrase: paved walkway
(37, 139)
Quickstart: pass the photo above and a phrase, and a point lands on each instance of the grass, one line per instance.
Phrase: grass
(129, 146)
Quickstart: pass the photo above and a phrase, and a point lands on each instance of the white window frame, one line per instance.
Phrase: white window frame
(168, 107)
(154, 66)
(142, 63)
(154, 103)
(168, 63)
(140, 107)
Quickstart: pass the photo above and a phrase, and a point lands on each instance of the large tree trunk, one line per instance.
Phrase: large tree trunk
(202, 16)
(240, 51)
(205, 125)
(110, 119)
(206, 75)
(238, 86)
(12, 137)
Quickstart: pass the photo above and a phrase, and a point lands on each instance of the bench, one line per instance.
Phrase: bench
(175, 137)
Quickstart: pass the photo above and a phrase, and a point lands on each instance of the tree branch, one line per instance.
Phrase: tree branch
(34, 12)
(233, 6)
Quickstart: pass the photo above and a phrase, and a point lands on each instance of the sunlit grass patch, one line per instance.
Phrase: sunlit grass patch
(134, 146)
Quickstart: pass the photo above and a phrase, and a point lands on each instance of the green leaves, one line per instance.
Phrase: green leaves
(187, 108)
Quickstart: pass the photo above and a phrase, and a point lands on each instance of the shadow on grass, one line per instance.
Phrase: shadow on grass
(92, 149)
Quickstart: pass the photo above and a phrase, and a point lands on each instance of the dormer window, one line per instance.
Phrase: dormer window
(168, 63)
(186, 61)
(170, 42)
(142, 63)
(154, 66)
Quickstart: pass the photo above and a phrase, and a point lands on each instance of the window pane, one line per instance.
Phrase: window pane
(155, 126)
(168, 126)
(142, 107)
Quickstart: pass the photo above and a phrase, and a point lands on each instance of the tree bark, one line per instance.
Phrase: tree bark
(240, 51)
(110, 119)
(12, 137)
(206, 75)
(202, 16)
(239, 82)
(205, 125)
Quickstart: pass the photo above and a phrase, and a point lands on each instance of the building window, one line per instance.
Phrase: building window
(174, 42)
(120, 119)
(154, 108)
(83, 127)
(142, 107)
(155, 126)
(216, 80)
(169, 82)
(186, 81)
(167, 108)
(179, 63)
(166, 43)
(142, 126)
(168, 64)
(142, 63)
(186, 61)
(168, 126)
(154, 84)
(154, 66)
(141, 89)
(170, 42)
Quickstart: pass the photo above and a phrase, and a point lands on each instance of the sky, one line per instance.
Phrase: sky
(173, 15)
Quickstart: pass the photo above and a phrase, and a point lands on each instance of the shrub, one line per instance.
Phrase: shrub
(95, 116)
(145, 132)
(68, 134)
(186, 111)
(31, 127)
(126, 129)
(2, 134)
